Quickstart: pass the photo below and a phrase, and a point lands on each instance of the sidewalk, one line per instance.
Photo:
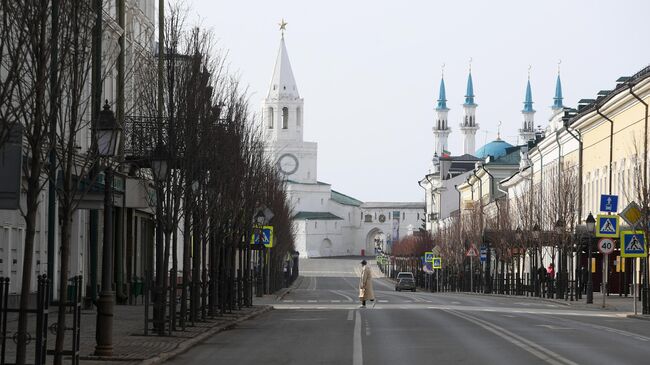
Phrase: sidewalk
(613, 302)
(130, 345)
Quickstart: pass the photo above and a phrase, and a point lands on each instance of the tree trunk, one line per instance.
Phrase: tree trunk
(63, 286)
(30, 227)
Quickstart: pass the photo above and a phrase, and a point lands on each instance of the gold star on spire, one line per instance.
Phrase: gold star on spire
(283, 26)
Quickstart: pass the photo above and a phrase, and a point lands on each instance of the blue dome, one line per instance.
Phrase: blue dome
(496, 149)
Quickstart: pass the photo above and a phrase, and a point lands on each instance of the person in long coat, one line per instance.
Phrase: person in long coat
(365, 284)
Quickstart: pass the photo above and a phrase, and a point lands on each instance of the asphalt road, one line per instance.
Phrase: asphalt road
(319, 322)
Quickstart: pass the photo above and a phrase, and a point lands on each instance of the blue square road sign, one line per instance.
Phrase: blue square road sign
(609, 203)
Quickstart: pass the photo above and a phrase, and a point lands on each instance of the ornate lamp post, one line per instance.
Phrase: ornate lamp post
(536, 232)
(591, 228)
(559, 230)
(519, 237)
(108, 134)
(160, 169)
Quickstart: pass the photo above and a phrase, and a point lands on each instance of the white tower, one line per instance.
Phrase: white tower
(441, 128)
(468, 125)
(282, 118)
(527, 130)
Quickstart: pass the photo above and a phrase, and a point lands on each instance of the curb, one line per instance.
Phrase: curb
(186, 345)
(554, 301)
(644, 317)
(285, 291)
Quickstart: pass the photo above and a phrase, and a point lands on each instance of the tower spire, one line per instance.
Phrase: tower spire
(283, 84)
(468, 126)
(441, 128)
(557, 99)
(526, 132)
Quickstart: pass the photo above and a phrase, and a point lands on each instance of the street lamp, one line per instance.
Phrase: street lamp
(559, 229)
(591, 228)
(159, 164)
(108, 133)
(160, 169)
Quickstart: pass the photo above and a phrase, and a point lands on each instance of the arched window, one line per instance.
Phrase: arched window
(298, 116)
(285, 118)
(269, 119)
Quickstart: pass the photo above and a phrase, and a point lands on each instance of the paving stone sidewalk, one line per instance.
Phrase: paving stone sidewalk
(130, 345)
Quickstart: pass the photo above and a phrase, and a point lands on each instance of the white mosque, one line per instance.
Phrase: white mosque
(327, 222)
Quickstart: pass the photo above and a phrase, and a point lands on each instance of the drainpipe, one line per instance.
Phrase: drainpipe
(579, 139)
(646, 276)
(645, 137)
(611, 145)
(491, 181)
(559, 166)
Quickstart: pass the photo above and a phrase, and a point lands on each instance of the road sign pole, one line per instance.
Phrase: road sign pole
(605, 266)
(634, 283)
(471, 275)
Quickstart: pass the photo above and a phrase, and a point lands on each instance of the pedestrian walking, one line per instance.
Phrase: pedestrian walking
(365, 285)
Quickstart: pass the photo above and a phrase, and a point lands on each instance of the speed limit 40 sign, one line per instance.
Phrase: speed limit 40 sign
(606, 245)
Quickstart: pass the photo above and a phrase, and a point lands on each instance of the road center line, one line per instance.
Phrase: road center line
(529, 346)
(357, 350)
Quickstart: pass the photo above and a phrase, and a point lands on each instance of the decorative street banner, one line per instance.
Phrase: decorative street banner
(437, 263)
(396, 218)
(607, 226)
(263, 236)
(633, 244)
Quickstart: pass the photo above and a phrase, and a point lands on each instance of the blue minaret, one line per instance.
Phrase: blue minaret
(526, 132)
(468, 124)
(441, 128)
(557, 100)
(469, 95)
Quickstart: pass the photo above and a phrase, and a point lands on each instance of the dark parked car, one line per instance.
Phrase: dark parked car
(405, 283)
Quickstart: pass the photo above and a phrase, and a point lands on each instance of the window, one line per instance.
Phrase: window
(285, 118)
(315, 224)
(321, 201)
(368, 218)
(269, 119)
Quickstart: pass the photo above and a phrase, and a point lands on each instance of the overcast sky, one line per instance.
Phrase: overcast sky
(369, 71)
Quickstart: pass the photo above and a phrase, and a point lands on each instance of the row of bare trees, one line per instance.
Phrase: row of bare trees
(218, 174)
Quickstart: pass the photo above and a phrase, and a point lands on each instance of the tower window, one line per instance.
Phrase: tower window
(269, 120)
(285, 118)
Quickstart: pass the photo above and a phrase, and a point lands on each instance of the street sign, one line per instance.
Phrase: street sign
(483, 255)
(263, 236)
(633, 244)
(606, 245)
(608, 203)
(607, 226)
(437, 263)
(472, 251)
(631, 214)
(428, 256)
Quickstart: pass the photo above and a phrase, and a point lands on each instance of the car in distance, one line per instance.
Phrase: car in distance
(405, 281)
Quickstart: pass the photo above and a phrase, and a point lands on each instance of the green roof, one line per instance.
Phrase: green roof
(344, 199)
(322, 216)
(303, 183)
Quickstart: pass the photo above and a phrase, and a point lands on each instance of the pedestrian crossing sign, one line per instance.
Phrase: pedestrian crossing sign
(437, 263)
(607, 226)
(263, 236)
(633, 244)
(428, 256)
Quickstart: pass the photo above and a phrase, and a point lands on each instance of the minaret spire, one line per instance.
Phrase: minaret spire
(441, 128)
(468, 126)
(557, 99)
(526, 132)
